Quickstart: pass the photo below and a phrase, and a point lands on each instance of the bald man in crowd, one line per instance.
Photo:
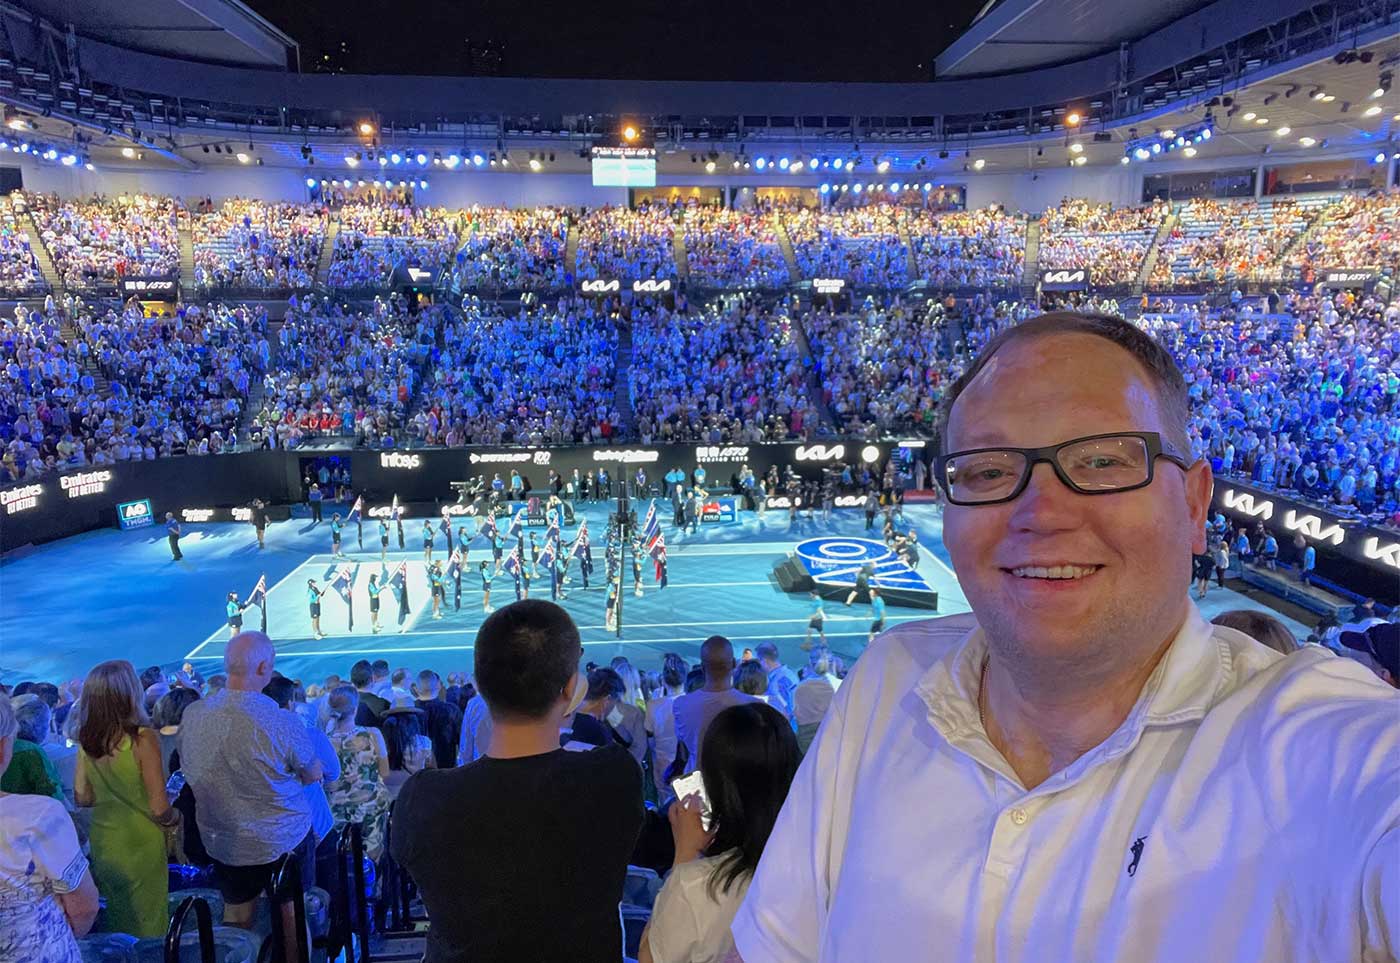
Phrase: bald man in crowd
(246, 761)
(1083, 767)
(695, 710)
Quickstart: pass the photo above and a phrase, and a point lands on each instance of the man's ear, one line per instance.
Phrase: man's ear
(1200, 485)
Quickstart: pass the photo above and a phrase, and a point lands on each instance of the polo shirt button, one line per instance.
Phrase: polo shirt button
(1018, 816)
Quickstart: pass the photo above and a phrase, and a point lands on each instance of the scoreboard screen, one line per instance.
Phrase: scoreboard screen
(624, 167)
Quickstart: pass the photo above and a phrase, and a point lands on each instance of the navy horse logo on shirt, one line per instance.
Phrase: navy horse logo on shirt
(1136, 850)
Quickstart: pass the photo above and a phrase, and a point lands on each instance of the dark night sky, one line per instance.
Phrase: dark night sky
(801, 40)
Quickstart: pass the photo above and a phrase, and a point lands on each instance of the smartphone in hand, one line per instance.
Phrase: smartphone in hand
(693, 784)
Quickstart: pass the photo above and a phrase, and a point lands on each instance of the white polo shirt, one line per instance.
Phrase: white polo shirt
(1247, 809)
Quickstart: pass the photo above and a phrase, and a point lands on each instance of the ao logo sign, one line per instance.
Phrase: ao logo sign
(1244, 502)
(820, 452)
(600, 287)
(837, 561)
(393, 459)
(1311, 526)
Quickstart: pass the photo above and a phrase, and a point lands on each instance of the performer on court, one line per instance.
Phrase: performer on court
(335, 536)
(235, 615)
(383, 540)
(374, 590)
(817, 623)
(439, 588)
(172, 532)
(258, 516)
(313, 600)
(877, 611)
(862, 583)
(427, 541)
(401, 592)
(484, 570)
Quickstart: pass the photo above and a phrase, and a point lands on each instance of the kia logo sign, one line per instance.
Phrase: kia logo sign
(600, 287)
(822, 452)
(1064, 279)
(1385, 554)
(1244, 503)
(651, 286)
(394, 459)
(1312, 527)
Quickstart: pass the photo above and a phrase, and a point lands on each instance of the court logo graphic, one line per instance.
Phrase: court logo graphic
(838, 561)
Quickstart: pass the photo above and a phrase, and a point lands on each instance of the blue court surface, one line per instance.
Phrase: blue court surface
(110, 594)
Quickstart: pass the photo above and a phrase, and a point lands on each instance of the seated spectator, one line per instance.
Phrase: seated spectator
(695, 710)
(1260, 626)
(359, 796)
(48, 895)
(246, 761)
(750, 759)
(31, 771)
(121, 780)
(562, 824)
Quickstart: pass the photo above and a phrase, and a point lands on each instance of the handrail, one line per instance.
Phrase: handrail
(205, 922)
(285, 886)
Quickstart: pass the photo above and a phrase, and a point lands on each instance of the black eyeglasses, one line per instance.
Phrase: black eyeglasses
(1094, 465)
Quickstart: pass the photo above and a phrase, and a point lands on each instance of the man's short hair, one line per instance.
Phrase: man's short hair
(717, 651)
(32, 717)
(1161, 367)
(526, 652)
(381, 668)
(281, 691)
(766, 650)
(605, 682)
(673, 670)
(360, 674)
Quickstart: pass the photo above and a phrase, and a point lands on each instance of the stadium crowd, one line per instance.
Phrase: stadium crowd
(95, 241)
(1111, 242)
(985, 248)
(862, 244)
(543, 376)
(512, 249)
(729, 248)
(375, 236)
(729, 371)
(246, 243)
(19, 269)
(627, 245)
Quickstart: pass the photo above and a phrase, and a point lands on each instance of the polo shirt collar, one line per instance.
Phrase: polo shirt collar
(1186, 683)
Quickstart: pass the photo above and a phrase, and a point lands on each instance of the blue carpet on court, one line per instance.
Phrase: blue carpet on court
(109, 594)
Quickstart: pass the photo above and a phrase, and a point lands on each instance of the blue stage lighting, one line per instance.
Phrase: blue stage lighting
(783, 163)
(311, 182)
(826, 188)
(396, 157)
(837, 163)
(421, 158)
(760, 163)
(478, 160)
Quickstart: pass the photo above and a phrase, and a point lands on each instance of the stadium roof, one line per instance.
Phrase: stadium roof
(206, 31)
(1015, 35)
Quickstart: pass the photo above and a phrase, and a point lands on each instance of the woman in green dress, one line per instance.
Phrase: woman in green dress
(119, 776)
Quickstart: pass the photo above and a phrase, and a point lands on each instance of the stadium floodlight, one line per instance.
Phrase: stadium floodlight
(1206, 134)
(856, 187)
(311, 182)
(452, 160)
(478, 160)
(825, 188)
(1073, 118)
(242, 157)
(979, 163)
(1076, 148)
(844, 187)
(127, 152)
(928, 186)
(396, 158)
(535, 164)
(1156, 148)
(1190, 152)
(423, 185)
(761, 163)
(421, 158)
(783, 163)
(69, 160)
(1080, 161)
(837, 163)
(1379, 158)
(350, 160)
(1307, 141)
(1371, 111)
(796, 167)
(1283, 131)
(1142, 153)
(1250, 115)
(1124, 159)
(709, 167)
(89, 166)
(366, 129)
(882, 165)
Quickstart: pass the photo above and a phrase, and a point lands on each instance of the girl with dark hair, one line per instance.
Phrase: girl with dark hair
(749, 758)
(409, 750)
(166, 718)
(120, 777)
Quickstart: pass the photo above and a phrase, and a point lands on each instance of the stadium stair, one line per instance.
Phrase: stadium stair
(622, 392)
(256, 386)
(908, 242)
(785, 244)
(571, 250)
(1296, 245)
(814, 384)
(679, 252)
(1032, 268)
(1150, 261)
(323, 263)
(41, 254)
(186, 235)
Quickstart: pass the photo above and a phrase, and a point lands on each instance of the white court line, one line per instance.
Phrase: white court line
(219, 633)
(464, 648)
(635, 625)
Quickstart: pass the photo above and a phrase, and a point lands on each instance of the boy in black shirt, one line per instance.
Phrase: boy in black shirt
(552, 829)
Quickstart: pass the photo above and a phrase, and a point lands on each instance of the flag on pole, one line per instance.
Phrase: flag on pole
(258, 597)
(660, 558)
(512, 562)
(657, 547)
(344, 584)
(357, 510)
(394, 511)
(552, 533)
(651, 527)
(547, 556)
(454, 564)
(517, 524)
(581, 542)
(445, 527)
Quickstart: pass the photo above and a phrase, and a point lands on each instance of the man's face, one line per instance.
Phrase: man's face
(1042, 392)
